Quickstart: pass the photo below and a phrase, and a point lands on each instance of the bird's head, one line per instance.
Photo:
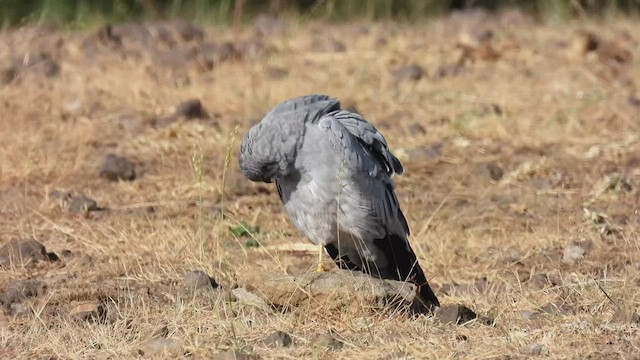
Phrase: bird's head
(267, 152)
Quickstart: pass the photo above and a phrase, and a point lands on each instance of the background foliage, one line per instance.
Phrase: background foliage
(86, 12)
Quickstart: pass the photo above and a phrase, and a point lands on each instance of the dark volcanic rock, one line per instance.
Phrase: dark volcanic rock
(116, 168)
(22, 253)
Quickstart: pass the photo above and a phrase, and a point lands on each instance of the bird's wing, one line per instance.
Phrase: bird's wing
(313, 104)
(376, 193)
(372, 139)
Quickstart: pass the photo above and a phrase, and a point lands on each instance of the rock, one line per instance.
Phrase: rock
(276, 73)
(245, 297)
(328, 45)
(410, 72)
(329, 342)
(417, 129)
(340, 289)
(198, 279)
(116, 168)
(23, 253)
(624, 316)
(426, 154)
(634, 101)
(36, 62)
(270, 25)
(74, 203)
(536, 350)
(91, 311)
(492, 170)
(575, 252)
(190, 109)
(557, 309)
(459, 315)
(7, 74)
(161, 331)
(157, 346)
(20, 290)
(82, 204)
(234, 355)
(278, 339)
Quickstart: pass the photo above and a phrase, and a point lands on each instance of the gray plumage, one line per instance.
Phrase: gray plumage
(333, 173)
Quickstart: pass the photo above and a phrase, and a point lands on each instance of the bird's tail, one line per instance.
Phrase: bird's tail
(403, 266)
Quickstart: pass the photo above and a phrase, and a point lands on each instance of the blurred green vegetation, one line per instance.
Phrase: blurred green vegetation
(79, 13)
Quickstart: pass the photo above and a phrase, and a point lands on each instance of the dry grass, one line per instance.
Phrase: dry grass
(557, 122)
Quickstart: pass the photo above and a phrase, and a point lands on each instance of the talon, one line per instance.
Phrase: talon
(320, 267)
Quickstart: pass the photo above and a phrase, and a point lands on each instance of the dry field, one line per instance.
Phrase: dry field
(522, 148)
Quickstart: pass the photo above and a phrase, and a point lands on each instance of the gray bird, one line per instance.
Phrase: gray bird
(333, 172)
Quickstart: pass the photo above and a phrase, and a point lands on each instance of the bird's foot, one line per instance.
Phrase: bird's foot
(321, 268)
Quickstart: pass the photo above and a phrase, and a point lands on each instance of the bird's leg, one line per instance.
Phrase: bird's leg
(320, 265)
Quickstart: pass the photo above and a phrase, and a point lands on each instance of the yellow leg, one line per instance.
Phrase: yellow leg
(320, 265)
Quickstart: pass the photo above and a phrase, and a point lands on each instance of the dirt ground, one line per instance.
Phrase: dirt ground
(119, 178)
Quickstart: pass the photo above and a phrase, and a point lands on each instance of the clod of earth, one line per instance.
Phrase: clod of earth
(23, 253)
(198, 279)
(74, 203)
(276, 73)
(20, 290)
(164, 346)
(116, 168)
(91, 311)
(575, 252)
(455, 314)
(245, 297)
(278, 339)
(410, 72)
(536, 350)
(626, 316)
(329, 342)
(190, 109)
(267, 24)
(234, 355)
(161, 331)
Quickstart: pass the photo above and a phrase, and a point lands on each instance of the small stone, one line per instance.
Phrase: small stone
(536, 350)
(530, 315)
(161, 331)
(624, 316)
(555, 309)
(116, 168)
(22, 253)
(278, 339)
(89, 311)
(329, 342)
(198, 279)
(495, 171)
(270, 25)
(410, 72)
(633, 100)
(276, 72)
(573, 253)
(234, 355)
(243, 296)
(455, 314)
(163, 346)
(82, 204)
(21, 290)
(417, 129)
(190, 109)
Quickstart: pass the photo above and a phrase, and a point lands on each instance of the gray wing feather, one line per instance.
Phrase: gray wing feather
(313, 104)
(375, 183)
(372, 138)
